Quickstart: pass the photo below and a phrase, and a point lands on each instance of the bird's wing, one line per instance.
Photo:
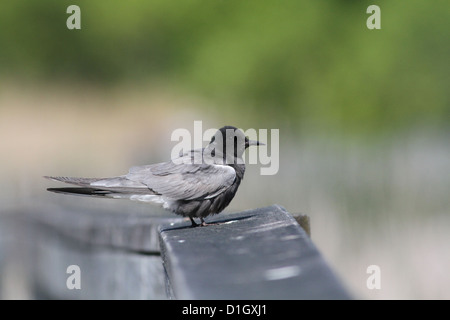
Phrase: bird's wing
(181, 179)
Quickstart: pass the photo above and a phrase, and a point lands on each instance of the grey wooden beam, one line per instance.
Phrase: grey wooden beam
(117, 252)
(256, 254)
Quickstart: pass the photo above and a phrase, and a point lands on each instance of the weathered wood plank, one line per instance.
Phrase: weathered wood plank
(118, 253)
(256, 254)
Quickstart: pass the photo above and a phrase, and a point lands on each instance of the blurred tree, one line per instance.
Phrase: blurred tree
(310, 64)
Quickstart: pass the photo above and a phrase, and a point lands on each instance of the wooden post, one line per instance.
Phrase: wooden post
(304, 221)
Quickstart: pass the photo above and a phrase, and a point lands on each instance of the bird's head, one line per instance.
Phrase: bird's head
(230, 143)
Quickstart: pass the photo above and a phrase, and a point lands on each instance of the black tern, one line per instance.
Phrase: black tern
(197, 184)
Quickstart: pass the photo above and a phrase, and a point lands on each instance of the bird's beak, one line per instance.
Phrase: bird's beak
(255, 143)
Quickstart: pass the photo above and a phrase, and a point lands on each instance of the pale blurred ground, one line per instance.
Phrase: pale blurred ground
(380, 203)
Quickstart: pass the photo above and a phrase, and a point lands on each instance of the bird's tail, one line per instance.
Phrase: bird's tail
(117, 187)
(75, 181)
(82, 191)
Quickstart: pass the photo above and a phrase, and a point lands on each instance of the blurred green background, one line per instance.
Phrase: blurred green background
(363, 114)
(297, 63)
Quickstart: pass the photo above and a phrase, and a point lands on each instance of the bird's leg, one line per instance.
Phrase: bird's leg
(202, 224)
(194, 224)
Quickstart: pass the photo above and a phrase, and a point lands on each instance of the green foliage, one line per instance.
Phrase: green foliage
(312, 64)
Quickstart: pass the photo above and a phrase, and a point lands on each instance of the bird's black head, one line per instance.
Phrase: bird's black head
(231, 141)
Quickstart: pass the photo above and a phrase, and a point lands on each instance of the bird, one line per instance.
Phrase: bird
(196, 184)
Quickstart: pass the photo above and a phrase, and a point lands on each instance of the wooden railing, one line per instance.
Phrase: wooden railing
(68, 253)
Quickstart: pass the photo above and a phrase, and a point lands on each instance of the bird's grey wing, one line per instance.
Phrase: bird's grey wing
(182, 180)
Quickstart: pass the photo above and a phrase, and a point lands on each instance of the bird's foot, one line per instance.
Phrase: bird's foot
(202, 224)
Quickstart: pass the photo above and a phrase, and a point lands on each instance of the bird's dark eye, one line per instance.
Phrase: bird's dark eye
(213, 139)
